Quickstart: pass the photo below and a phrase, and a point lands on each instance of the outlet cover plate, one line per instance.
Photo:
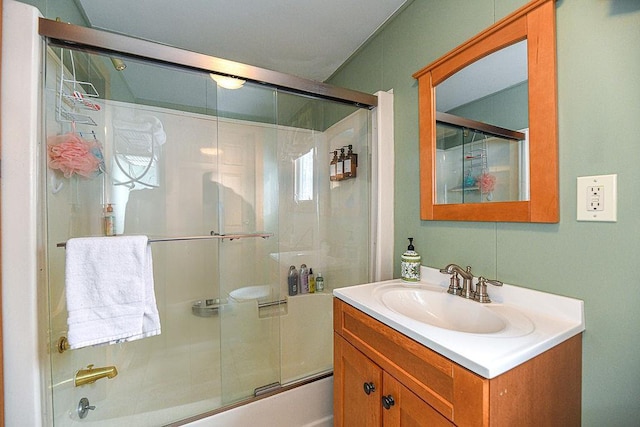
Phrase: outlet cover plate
(597, 198)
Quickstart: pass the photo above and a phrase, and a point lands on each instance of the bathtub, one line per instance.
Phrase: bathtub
(313, 403)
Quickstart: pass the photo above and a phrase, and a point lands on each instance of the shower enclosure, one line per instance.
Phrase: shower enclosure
(232, 187)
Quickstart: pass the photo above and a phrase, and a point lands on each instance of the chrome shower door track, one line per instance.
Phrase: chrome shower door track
(103, 42)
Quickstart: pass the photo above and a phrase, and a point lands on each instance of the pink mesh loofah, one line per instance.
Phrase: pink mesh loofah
(71, 154)
(486, 182)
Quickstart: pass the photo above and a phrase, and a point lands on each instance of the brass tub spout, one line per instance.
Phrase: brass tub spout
(91, 374)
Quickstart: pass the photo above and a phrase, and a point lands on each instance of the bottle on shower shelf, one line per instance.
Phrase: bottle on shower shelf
(304, 279)
(312, 282)
(292, 281)
(109, 221)
(319, 283)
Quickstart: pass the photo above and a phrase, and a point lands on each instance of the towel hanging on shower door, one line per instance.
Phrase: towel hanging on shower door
(109, 290)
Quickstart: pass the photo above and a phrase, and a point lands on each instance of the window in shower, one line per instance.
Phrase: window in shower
(304, 177)
(180, 158)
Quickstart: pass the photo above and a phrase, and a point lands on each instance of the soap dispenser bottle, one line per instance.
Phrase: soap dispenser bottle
(410, 264)
(350, 163)
(340, 166)
(333, 167)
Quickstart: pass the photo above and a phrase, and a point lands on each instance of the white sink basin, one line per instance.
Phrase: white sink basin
(488, 339)
(442, 310)
(434, 307)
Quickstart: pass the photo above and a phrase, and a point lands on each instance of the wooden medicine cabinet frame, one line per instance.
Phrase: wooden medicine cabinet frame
(534, 22)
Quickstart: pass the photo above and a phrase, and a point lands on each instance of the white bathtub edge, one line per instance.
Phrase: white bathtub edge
(310, 405)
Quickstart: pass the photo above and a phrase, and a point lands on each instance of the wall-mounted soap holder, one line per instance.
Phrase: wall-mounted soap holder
(207, 307)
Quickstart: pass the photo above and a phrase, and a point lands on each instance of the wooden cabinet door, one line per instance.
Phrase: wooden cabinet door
(353, 406)
(408, 410)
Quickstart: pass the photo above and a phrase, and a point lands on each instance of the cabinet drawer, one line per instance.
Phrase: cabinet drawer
(458, 394)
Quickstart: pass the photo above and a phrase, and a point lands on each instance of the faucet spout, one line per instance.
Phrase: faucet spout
(455, 268)
(467, 278)
(91, 374)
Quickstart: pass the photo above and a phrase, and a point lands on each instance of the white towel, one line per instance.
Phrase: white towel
(109, 290)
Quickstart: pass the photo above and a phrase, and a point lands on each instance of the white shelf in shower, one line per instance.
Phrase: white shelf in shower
(458, 189)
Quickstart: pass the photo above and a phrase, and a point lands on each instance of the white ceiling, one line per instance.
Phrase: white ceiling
(306, 38)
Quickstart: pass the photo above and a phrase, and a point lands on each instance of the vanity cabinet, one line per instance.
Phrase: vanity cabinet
(372, 397)
(430, 390)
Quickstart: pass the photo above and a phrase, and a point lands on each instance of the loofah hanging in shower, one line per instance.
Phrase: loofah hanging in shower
(72, 154)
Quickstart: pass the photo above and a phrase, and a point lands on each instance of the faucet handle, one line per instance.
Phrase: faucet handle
(481, 294)
(493, 282)
(454, 285)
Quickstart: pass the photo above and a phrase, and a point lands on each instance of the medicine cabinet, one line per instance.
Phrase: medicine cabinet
(488, 124)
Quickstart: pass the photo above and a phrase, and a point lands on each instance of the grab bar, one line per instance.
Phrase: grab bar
(272, 303)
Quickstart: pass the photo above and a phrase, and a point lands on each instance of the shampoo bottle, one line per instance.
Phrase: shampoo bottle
(304, 279)
(410, 264)
(292, 281)
(108, 221)
(312, 282)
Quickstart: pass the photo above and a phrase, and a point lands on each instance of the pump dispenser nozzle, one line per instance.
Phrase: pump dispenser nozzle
(411, 248)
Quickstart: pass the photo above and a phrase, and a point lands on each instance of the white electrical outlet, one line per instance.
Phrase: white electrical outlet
(597, 198)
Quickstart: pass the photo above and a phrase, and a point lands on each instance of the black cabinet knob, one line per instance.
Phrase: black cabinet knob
(388, 402)
(369, 388)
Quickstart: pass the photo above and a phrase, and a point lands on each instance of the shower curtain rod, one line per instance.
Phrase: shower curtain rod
(96, 41)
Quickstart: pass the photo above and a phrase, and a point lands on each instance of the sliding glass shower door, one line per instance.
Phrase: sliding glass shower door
(232, 187)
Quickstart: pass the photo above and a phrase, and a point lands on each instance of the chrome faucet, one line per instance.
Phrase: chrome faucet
(467, 279)
(91, 374)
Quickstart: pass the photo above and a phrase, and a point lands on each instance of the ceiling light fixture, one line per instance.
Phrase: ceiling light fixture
(227, 82)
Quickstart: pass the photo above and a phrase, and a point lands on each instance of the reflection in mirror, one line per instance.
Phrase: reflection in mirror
(475, 166)
(491, 90)
(479, 158)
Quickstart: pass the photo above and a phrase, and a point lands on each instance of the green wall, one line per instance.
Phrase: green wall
(598, 45)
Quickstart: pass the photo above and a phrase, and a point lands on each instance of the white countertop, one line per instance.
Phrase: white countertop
(537, 321)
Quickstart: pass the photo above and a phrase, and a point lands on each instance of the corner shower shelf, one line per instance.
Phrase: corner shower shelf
(210, 237)
(458, 189)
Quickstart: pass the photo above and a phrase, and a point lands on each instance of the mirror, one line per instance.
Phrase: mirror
(488, 124)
